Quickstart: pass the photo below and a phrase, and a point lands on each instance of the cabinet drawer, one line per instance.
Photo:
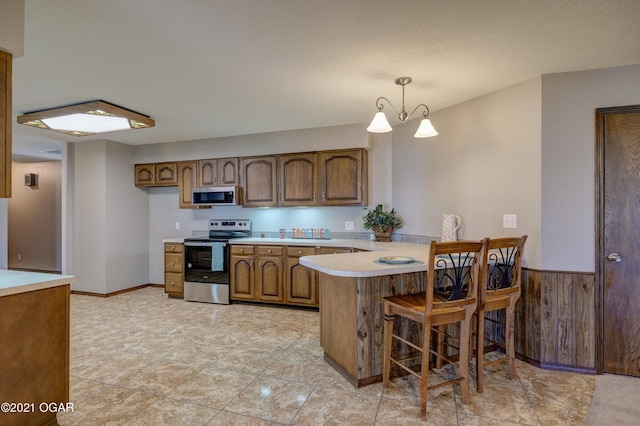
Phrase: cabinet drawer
(173, 283)
(271, 250)
(242, 249)
(173, 262)
(173, 248)
(334, 250)
(300, 251)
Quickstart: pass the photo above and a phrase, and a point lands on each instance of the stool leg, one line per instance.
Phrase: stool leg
(440, 345)
(463, 361)
(510, 341)
(388, 343)
(480, 353)
(424, 368)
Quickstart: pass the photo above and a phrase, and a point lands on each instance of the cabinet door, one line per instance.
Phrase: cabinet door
(186, 182)
(242, 278)
(269, 274)
(301, 283)
(207, 173)
(228, 173)
(145, 174)
(298, 179)
(166, 174)
(343, 177)
(259, 180)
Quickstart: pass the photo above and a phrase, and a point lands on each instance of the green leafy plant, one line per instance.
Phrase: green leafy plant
(379, 218)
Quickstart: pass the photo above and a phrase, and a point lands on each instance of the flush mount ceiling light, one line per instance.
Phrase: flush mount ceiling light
(379, 124)
(87, 119)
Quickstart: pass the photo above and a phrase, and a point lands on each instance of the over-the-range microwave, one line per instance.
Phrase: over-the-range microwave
(217, 196)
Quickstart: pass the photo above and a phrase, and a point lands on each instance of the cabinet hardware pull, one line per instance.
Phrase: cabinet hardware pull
(269, 251)
(299, 251)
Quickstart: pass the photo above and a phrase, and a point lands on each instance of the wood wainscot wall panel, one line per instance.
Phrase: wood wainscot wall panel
(555, 320)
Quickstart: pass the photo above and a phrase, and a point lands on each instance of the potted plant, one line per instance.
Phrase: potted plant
(382, 222)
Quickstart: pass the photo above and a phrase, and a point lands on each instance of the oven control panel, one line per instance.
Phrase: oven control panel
(229, 224)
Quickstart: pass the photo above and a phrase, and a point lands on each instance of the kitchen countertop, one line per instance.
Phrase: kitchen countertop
(14, 282)
(359, 264)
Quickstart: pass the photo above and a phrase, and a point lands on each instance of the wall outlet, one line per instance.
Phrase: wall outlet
(509, 220)
(349, 226)
(177, 225)
(19, 256)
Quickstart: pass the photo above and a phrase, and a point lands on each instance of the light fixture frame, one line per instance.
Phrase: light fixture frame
(403, 116)
(97, 108)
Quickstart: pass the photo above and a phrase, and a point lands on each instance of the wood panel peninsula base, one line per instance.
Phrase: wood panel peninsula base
(352, 287)
(34, 352)
(352, 321)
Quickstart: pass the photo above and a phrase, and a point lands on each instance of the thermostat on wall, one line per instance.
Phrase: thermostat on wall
(30, 179)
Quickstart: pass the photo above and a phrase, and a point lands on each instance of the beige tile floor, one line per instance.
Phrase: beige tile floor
(142, 359)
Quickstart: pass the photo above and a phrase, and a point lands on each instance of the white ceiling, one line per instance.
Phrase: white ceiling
(213, 68)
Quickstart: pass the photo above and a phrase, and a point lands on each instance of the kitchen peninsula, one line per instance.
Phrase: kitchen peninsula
(34, 354)
(352, 287)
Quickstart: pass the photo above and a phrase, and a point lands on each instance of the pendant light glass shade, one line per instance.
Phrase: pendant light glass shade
(379, 124)
(425, 130)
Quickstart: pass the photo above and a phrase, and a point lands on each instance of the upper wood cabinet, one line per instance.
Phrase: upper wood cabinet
(343, 177)
(218, 172)
(186, 182)
(6, 61)
(156, 174)
(298, 179)
(258, 177)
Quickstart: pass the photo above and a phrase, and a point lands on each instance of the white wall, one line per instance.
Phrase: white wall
(110, 219)
(12, 27)
(484, 163)
(568, 159)
(35, 217)
(126, 222)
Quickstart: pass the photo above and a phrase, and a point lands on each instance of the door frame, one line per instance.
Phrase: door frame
(600, 116)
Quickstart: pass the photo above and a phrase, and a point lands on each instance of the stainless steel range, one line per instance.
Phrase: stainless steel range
(206, 261)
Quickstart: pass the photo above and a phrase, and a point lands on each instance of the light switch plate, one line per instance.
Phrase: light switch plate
(177, 225)
(509, 220)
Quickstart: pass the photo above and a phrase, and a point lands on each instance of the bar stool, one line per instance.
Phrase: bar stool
(450, 298)
(499, 289)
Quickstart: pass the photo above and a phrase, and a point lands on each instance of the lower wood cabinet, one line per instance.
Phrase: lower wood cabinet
(300, 282)
(242, 274)
(269, 274)
(273, 274)
(174, 269)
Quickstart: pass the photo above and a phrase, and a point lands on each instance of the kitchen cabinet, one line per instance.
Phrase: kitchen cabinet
(6, 63)
(301, 283)
(156, 174)
(343, 177)
(186, 182)
(273, 274)
(259, 179)
(174, 269)
(242, 274)
(298, 179)
(269, 274)
(218, 172)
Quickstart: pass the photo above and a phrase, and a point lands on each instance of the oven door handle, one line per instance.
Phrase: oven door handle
(201, 244)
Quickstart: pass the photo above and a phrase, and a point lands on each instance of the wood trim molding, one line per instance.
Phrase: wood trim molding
(115, 293)
(6, 110)
(600, 115)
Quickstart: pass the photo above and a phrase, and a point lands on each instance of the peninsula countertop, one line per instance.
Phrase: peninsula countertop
(15, 282)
